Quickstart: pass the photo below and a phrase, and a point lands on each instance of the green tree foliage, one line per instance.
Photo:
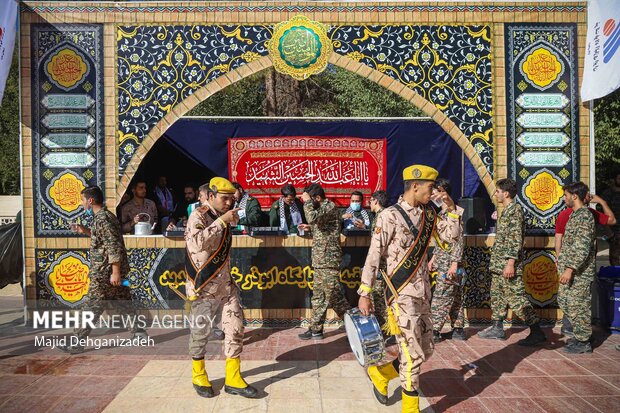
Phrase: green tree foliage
(244, 98)
(341, 93)
(607, 138)
(9, 133)
(335, 92)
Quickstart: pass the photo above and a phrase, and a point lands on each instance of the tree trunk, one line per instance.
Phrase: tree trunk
(270, 106)
(288, 96)
(282, 95)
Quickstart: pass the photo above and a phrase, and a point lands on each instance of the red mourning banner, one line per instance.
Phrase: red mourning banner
(340, 164)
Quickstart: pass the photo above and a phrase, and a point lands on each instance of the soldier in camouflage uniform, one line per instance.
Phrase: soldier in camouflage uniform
(507, 272)
(108, 266)
(448, 295)
(208, 237)
(577, 266)
(324, 221)
(378, 202)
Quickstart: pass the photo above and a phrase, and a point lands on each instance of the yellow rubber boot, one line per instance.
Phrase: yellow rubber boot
(380, 377)
(411, 402)
(234, 383)
(200, 380)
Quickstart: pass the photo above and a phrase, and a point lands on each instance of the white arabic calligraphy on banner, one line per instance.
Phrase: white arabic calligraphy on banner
(299, 171)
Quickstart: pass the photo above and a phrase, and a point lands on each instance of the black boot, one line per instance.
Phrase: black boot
(217, 334)
(567, 328)
(311, 335)
(578, 347)
(436, 336)
(458, 334)
(535, 337)
(496, 331)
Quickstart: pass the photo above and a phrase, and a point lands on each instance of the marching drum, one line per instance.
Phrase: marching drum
(365, 337)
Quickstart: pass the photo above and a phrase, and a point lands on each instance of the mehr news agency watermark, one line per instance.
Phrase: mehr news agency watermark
(86, 319)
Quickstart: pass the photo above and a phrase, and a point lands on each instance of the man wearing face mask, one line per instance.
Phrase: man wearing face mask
(108, 266)
(448, 295)
(210, 287)
(355, 216)
(327, 291)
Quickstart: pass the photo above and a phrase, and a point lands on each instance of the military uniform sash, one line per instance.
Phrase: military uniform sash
(200, 276)
(408, 266)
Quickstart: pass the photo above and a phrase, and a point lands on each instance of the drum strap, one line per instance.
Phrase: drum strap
(410, 263)
(209, 270)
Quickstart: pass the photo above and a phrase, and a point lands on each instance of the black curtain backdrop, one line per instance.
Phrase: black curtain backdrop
(205, 143)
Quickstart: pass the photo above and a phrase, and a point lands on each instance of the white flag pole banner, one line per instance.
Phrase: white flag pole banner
(601, 74)
(8, 29)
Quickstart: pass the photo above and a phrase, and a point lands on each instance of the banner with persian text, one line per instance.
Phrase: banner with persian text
(67, 122)
(542, 108)
(340, 164)
(267, 277)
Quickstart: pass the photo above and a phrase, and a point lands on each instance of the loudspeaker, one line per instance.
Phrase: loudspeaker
(474, 216)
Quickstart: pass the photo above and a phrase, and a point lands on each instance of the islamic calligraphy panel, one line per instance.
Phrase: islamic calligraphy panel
(67, 121)
(300, 47)
(61, 277)
(540, 276)
(159, 66)
(340, 164)
(267, 277)
(65, 191)
(542, 111)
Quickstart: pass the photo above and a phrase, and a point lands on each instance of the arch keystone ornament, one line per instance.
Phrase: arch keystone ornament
(300, 47)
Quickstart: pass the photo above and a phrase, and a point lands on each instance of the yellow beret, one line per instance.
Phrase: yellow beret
(420, 172)
(222, 185)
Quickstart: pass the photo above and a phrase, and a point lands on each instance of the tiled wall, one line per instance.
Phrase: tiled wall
(355, 13)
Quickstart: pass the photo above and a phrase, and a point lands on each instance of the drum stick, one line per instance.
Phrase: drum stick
(389, 284)
(179, 293)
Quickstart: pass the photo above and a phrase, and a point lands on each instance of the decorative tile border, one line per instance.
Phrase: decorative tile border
(440, 8)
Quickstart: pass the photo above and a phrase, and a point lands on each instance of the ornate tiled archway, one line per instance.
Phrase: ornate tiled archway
(256, 66)
(444, 70)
